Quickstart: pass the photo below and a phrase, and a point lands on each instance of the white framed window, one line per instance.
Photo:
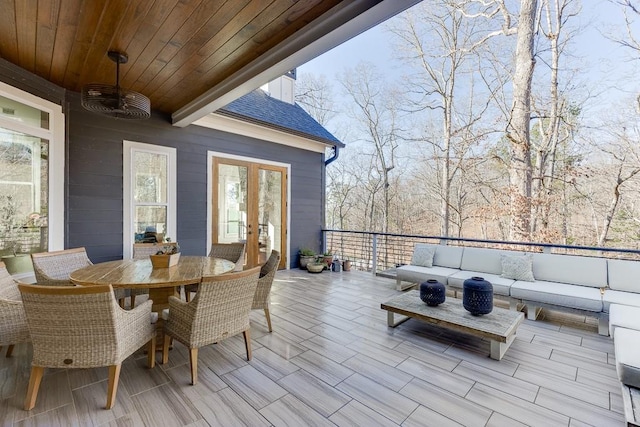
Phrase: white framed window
(149, 199)
(32, 132)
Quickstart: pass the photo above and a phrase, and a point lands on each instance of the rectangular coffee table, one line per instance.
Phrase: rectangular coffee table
(499, 326)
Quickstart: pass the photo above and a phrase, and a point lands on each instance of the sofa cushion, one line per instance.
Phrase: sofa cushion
(417, 274)
(627, 349)
(623, 275)
(560, 294)
(483, 260)
(448, 256)
(517, 267)
(624, 316)
(423, 255)
(571, 269)
(620, 297)
(500, 285)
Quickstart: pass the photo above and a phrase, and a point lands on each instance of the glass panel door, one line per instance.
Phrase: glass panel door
(249, 200)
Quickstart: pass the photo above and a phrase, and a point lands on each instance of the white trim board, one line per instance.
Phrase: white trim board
(241, 127)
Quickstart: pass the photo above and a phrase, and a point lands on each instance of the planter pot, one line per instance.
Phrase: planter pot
(17, 264)
(164, 261)
(432, 292)
(346, 265)
(328, 260)
(477, 296)
(316, 267)
(306, 259)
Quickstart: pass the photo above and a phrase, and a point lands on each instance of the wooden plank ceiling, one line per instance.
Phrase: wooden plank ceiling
(178, 49)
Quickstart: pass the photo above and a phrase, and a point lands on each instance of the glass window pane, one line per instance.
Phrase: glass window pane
(150, 219)
(24, 193)
(150, 177)
(269, 212)
(13, 110)
(232, 203)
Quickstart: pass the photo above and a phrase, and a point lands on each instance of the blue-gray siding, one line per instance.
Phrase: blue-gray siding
(94, 156)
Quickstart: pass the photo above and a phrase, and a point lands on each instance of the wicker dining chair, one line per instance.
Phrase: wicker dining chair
(233, 252)
(142, 251)
(262, 297)
(83, 327)
(13, 322)
(219, 310)
(54, 268)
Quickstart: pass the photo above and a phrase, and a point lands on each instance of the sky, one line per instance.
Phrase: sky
(606, 63)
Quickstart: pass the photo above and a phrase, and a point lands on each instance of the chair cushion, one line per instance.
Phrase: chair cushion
(448, 256)
(423, 255)
(414, 273)
(623, 275)
(484, 260)
(571, 269)
(501, 285)
(624, 316)
(620, 297)
(627, 349)
(560, 294)
(517, 267)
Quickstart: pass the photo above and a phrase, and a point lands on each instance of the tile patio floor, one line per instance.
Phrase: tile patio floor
(332, 360)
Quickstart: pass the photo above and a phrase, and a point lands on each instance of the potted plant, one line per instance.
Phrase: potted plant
(317, 265)
(327, 258)
(306, 256)
(168, 255)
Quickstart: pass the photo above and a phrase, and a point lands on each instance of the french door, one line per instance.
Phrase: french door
(249, 201)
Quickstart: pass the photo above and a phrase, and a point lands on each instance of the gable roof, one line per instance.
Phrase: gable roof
(259, 108)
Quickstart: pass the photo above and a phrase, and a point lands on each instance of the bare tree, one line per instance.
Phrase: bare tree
(375, 111)
(517, 130)
(315, 95)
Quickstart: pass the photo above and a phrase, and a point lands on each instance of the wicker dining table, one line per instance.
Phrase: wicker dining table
(161, 282)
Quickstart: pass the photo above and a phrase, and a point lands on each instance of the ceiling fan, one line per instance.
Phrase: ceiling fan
(114, 101)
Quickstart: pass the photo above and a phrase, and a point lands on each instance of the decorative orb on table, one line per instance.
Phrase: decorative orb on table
(477, 296)
(432, 292)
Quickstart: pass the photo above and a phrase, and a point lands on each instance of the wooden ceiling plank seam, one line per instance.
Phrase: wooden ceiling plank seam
(48, 13)
(26, 25)
(122, 34)
(165, 35)
(65, 35)
(89, 18)
(187, 58)
(101, 44)
(229, 63)
(149, 26)
(257, 22)
(175, 84)
(186, 33)
(8, 31)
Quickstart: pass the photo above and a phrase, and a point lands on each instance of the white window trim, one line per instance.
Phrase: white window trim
(55, 135)
(129, 147)
(210, 156)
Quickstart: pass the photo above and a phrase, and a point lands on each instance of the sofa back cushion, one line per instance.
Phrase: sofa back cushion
(623, 275)
(448, 256)
(571, 269)
(484, 260)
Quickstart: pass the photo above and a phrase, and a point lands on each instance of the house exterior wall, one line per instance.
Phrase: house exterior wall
(94, 161)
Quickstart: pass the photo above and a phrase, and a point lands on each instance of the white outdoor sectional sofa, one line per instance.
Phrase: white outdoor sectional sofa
(581, 284)
(608, 289)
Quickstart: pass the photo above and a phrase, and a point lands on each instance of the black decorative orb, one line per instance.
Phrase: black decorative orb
(477, 296)
(432, 292)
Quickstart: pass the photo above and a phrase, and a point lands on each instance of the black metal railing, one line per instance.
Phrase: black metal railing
(371, 251)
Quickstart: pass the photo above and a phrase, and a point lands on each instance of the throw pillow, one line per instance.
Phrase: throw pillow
(423, 255)
(517, 267)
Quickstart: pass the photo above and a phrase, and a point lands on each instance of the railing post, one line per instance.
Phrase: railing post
(374, 254)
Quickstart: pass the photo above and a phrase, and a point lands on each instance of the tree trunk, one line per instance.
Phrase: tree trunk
(518, 127)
